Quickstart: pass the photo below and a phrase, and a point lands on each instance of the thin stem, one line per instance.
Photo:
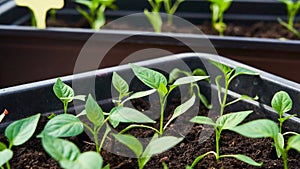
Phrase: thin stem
(223, 104)
(102, 141)
(65, 106)
(139, 126)
(200, 158)
(7, 165)
(1, 167)
(218, 133)
(162, 110)
(284, 158)
(95, 135)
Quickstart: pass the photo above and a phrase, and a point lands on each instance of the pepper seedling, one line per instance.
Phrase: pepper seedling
(65, 93)
(154, 16)
(218, 8)
(158, 81)
(96, 8)
(263, 128)
(39, 9)
(156, 145)
(224, 122)
(292, 10)
(17, 134)
(171, 9)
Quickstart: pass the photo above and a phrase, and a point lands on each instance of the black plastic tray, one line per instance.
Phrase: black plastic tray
(38, 97)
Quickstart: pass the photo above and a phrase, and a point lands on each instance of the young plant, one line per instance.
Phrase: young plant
(292, 10)
(155, 146)
(171, 9)
(96, 8)
(65, 93)
(224, 122)
(68, 154)
(263, 128)
(229, 74)
(154, 16)
(5, 112)
(176, 73)
(282, 103)
(218, 7)
(158, 81)
(39, 9)
(17, 134)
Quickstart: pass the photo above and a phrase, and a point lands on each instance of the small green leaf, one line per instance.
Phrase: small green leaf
(279, 144)
(203, 120)
(258, 129)
(63, 91)
(93, 111)
(2, 147)
(5, 156)
(189, 79)
(106, 167)
(79, 97)
(225, 69)
(244, 71)
(131, 142)
(114, 123)
(182, 109)
(149, 77)
(20, 131)
(294, 142)
(231, 120)
(162, 90)
(86, 160)
(160, 145)
(175, 74)
(199, 72)
(64, 125)
(281, 102)
(129, 115)
(120, 84)
(245, 159)
(60, 149)
(140, 94)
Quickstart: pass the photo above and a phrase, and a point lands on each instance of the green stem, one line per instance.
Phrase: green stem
(195, 162)
(1, 167)
(218, 133)
(284, 158)
(139, 126)
(162, 110)
(65, 106)
(7, 165)
(95, 135)
(223, 105)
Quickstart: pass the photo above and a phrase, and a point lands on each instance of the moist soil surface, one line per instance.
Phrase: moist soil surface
(258, 29)
(197, 142)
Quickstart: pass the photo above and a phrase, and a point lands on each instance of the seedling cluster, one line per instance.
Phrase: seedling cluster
(93, 119)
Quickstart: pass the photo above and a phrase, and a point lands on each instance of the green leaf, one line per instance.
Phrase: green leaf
(64, 125)
(131, 142)
(93, 111)
(106, 167)
(119, 84)
(189, 79)
(231, 120)
(160, 145)
(279, 144)
(5, 156)
(63, 91)
(140, 94)
(162, 90)
(100, 19)
(245, 159)
(79, 97)
(60, 149)
(2, 147)
(182, 109)
(258, 129)
(175, 74)
(294, 142)
(281, 102)
(86, 160)
(203, 120)
(84, 2)
(244, 71)
(199, 72)
(149, 77)
(20, 131)
(217, 80)
(225, 69)
(129, 115)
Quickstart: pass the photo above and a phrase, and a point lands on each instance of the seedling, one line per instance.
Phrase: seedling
(292, 10)
(224, 122)
(154, 16)
(158, 81)
(39, 9)
(155, 146)
(68, 154)
(65, 93)
(5, 112)
(266, 128)
(171, 9)
(176, 73)
(17, 134)
(218, 8)
(96, 8)
(282, 103)
(229, 74)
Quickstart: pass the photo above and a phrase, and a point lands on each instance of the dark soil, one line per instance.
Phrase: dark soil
(31, 154)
